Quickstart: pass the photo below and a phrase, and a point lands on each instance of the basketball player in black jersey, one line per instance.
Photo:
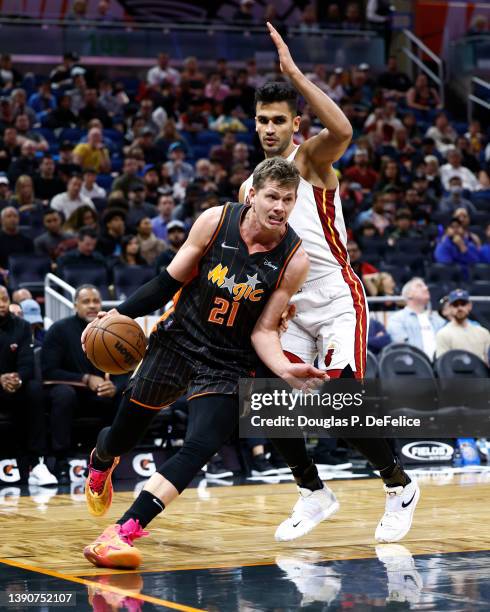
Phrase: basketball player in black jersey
(240, 264)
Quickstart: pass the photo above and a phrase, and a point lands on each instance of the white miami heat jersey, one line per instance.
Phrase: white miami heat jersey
(318, 220)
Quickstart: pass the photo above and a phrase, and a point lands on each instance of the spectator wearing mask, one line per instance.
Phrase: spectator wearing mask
(77, 386)
(415, 324)
(85, 253)
(71, 199)
(48, 242)
(12, 241)
(150, 245)
(90, 189)
(138, 206)
(175, 238)
(455, 199)
(165, 208)
(460, 333)
(21, 395)
(454, 168)
(93, 153)
(110, 240)
(46, 183)
(456, 248)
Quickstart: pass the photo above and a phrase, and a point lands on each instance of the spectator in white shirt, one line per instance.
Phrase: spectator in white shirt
(68, 201)
(162, 72)
(454, 168)
(443, 134)
(90, 189)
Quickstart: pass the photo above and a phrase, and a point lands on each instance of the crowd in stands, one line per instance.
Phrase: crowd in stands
(103, 180)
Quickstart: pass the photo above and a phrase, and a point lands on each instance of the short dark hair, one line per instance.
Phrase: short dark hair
(276, 91)
(276, 169)
(81, 288)
(51, 211)
(87, 231)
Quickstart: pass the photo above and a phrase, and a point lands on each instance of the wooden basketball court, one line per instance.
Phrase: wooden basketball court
(213, 549)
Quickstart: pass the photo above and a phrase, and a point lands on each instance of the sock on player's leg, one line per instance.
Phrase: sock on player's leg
(394, 475)
(144, 509)
(307, 477)
(101, 459)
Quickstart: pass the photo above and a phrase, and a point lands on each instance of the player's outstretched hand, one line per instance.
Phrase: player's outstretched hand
(304, 376)
(286, 61)
(100, 315)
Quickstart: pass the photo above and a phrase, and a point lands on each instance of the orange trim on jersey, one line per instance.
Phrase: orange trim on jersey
(164, 316)
(146, 405)
(216, 231)
(327, 218)
(191, 397)
(283, 269)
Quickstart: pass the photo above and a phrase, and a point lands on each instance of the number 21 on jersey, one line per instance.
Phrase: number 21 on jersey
(219, 313)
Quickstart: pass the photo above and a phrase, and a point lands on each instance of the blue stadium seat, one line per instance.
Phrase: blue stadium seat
(480, 287)
(128, 278)
(95, 275)
(47, 134)
(72, 134)
(413, 260)
(100, 204)
(480, 272)
(245, 137)
(442, 272)
(207, 137)
(401, 274)
(481, 199)
(27, 270)
(104, 181)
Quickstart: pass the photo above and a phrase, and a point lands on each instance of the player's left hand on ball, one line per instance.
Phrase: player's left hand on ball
(305, 377)
(287, 64)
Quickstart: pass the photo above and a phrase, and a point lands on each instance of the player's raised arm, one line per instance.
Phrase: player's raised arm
(327, 146)
(265, 337)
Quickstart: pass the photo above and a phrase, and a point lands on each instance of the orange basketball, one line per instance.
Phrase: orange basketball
(115, 344)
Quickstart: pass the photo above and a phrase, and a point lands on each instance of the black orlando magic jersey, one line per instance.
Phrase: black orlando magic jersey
(219, 308)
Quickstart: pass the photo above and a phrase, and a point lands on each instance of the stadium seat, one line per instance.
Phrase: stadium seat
(94, 275)
(370, 246)
(480, 272)
(128, 279)
(414, 261)
(28, 270)
(105, 181)
(401, 274)
(371, 366)
(403, 346)
(460, 364)
(100, 204)
(412, 245)
(437, 272)
(208, 138)
(480, 287)
(481, 199)
(72, 134)
(438, 291)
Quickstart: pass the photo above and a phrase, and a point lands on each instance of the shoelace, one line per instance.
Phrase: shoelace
(131, 530)
(97, 481)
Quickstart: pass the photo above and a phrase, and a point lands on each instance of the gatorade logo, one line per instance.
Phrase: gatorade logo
(9, 471)
(128, 358)
(144, 464)
(77, 469)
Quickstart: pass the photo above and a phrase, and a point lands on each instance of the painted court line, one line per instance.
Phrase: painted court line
(103, 587)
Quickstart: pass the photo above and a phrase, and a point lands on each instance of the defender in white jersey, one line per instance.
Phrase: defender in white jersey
(331, 313)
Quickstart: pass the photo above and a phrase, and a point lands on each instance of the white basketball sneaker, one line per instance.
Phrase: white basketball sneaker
(311, 508)
(400, 506)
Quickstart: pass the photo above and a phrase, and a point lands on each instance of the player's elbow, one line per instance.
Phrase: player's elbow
(345, 132)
